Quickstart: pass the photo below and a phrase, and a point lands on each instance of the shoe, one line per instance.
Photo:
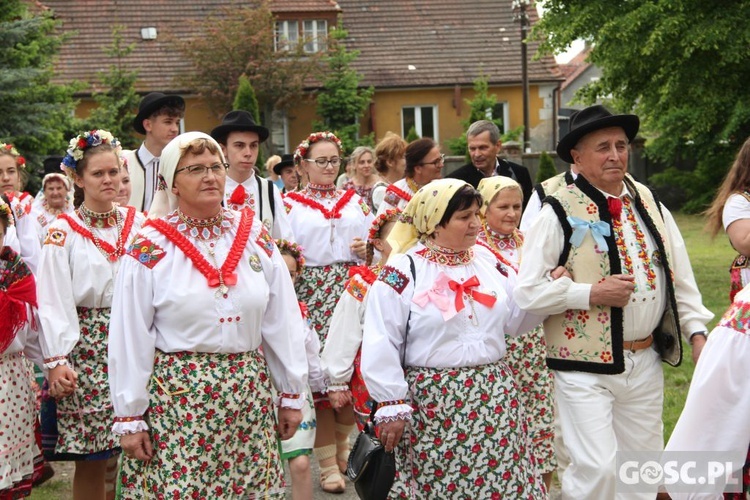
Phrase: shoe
(331, 480)
(342, 459)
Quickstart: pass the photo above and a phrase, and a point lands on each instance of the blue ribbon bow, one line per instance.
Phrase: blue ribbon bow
(598, 231)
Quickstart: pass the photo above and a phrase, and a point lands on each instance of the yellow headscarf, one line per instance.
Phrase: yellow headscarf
(490, 186)
(423, 213)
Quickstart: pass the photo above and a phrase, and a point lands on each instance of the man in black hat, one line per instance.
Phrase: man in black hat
(158, 119)
(608, 325)
(240, 138)
(484, 144)
(287, 173)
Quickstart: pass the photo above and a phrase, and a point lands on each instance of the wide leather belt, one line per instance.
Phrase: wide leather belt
(638, 345)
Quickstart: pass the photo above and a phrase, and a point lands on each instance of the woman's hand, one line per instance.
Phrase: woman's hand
(137, 446)
(390, 433)
(289, 420)
(560, 272)
(62, 381)
(339, 399)
(359, 247)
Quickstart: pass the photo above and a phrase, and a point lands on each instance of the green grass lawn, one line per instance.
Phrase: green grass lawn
(710, 260)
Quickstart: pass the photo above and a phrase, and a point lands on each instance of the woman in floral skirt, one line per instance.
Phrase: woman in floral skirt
(500, 213)
(81, 255)
(201, 290)
(433, 351)
(331, 225)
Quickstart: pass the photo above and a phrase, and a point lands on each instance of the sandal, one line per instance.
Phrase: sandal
(342, 458)
(331, 480)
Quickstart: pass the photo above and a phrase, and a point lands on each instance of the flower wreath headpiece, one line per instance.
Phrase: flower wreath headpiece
(294, 250)
(304, 146)
(20, 160)
(7, 212)
(80, 143)
(380, 221)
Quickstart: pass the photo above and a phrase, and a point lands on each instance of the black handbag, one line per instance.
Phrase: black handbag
(370, 467)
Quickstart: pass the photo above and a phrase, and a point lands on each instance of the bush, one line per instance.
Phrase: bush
(546, 168)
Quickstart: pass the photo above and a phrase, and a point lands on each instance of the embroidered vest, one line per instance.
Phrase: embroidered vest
(592, 340)
(551, 185)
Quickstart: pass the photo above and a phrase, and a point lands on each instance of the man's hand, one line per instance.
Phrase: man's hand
(339, 399)
(289, 420)
(62, 381)
(560, 272)
(697, 343)
(612, 291)
(390, 433)
(137, 446)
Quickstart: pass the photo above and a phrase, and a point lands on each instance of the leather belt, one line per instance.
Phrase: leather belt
(638, 345)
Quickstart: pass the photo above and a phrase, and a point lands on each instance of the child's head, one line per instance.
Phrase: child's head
(378, 235)
(292, 255)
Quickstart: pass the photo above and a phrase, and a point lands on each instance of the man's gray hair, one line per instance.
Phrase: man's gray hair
(481, 126)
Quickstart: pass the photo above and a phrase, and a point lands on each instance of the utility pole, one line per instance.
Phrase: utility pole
(519, 10)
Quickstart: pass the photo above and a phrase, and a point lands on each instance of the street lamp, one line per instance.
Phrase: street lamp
(519, 14)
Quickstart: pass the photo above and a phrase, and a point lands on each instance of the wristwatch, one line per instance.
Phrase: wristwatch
(702, 333)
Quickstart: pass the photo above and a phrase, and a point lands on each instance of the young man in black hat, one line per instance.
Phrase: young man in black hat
(483, 139)
(608, 326)
(287, 173)
(240, 138)
(158, 119)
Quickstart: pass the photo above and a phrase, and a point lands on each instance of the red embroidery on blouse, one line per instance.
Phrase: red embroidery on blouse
(368, 274)
(112, 253)
(497, 254)
(335, 213)
(214, 276)
(399, 192)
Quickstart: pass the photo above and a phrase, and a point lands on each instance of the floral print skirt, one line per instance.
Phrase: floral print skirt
(17, 441)
(362, 402)
(82, 422)
(213, 430)
(320, 288)
(526, 357)
(304, 439)
(468, 437)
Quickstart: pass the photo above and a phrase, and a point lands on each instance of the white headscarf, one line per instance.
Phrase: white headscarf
(164, 200)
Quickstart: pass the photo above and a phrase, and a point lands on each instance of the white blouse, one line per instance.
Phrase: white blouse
(328, 241)
(391, 200)
(162, 301)
(281, 228)
(436, 338)
(44, 218)
(23, 237)
(74, 273)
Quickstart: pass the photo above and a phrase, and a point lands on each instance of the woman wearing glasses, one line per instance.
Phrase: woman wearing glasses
(331, 225)
(424, 164)
(202, 289)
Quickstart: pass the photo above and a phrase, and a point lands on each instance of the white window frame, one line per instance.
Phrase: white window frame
(317, 38)
(287, 27)
(506, 115)
(418, 120)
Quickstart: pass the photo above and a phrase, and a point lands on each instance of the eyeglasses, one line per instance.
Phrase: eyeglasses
(218, 169)
(440, 161)
(323, 162)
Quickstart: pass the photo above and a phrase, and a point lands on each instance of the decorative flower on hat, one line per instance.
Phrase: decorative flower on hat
(80, 143)
(20, 160)
(294, 250)
(380, 221)
(304, 146)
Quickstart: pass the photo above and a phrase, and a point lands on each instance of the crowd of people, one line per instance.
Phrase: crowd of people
(197, 325)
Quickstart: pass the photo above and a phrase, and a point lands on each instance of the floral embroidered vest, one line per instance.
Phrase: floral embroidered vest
(592, 340)
(553, 184)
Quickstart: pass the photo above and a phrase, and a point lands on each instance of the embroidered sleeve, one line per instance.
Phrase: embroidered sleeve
(265, 241)
(287, 206)
(365, 208)
(129, 425)
(55, 237)
(393, 278)
(356, 289)
(146, 252)
(391, 198)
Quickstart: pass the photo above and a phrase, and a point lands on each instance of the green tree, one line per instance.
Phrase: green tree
(245, 100)
(412, 135)
(546, 168)
(241, 40)
(680, 65)
(480, 107)
(342, 102)
(37, 114)
(116, 104)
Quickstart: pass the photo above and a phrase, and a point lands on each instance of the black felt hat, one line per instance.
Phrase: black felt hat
(287, 160)
(151, 103)
(590, 119)
(238, 121)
